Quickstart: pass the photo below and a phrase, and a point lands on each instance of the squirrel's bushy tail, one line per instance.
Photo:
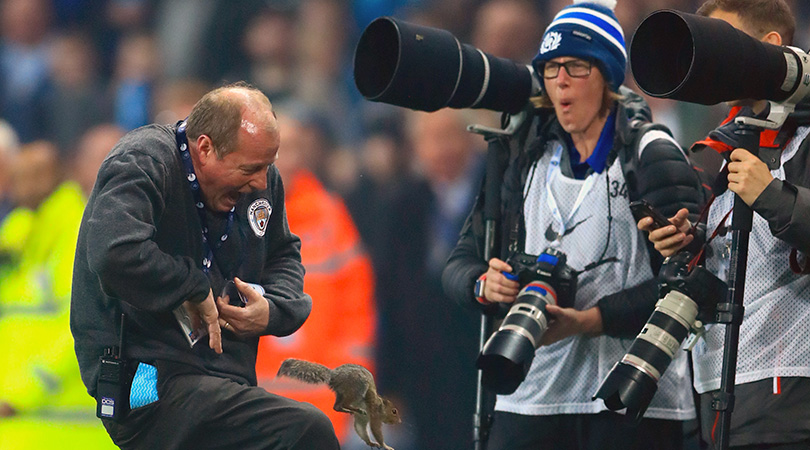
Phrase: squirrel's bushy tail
(308, 372)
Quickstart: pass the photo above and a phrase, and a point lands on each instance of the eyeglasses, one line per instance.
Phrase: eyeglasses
(576, 68)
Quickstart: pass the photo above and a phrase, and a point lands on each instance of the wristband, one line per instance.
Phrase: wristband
(478, 290)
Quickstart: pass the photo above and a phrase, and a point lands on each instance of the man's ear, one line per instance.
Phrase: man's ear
(205, 148)
(772, 37)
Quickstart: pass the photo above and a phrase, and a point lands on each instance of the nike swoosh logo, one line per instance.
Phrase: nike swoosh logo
(552, 235)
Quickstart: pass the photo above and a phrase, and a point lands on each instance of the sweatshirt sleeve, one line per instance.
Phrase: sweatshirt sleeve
(786, 207)
(129, 201)
(465, 265)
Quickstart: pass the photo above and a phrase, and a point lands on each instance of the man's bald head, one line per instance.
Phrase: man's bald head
(223, 112)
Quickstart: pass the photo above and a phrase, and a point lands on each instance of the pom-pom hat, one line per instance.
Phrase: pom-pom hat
(588, 30)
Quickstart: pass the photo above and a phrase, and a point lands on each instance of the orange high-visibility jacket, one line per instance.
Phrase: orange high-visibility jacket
(340, 280)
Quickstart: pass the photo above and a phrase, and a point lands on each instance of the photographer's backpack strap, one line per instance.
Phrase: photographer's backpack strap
(642, 134)
(524, 149)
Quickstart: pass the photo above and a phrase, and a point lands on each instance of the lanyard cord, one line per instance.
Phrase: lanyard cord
(194, 185)
(554, 169)
(599, 260)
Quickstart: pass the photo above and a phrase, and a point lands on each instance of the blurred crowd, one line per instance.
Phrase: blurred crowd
(393, 186)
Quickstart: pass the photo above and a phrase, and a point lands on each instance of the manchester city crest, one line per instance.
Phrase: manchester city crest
(258, 215)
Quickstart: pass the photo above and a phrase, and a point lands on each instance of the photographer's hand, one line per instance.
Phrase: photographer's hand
(748, 176)
(567, 322)
(498, 288)
(249, 320)
(206, 311)
(668, 240)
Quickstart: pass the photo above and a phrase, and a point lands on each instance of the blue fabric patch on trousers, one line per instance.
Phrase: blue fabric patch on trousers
(144, 386)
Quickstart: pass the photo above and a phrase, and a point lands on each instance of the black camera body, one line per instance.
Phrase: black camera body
(507, 355)
(549, 267)
(697, 283)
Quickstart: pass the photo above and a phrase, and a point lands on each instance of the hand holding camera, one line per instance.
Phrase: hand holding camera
(567, 322)
(545, 280)
(499, 288)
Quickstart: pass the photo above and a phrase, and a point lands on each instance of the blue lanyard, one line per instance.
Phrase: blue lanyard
(185, 156)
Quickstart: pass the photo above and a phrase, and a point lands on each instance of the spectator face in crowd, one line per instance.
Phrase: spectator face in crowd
(91, 151)
(9, 146)
(137, 58)
(298, 148)
(442, 146)
(73, 61)
(508, 29)
(322, 37)
(36, 174)
(174, 100)
(25, 22)
(382, 157)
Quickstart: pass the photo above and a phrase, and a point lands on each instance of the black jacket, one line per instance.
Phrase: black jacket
(663, 177)
(140, 251)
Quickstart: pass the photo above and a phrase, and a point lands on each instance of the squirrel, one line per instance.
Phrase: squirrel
(355, 393)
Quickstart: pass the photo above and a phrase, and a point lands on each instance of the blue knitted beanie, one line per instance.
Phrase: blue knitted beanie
(587, 30)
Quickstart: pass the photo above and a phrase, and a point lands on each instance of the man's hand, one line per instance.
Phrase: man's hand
(748, 176)
(498, 288)
(206, 311)
(567, 322)
(250, 320)
(668, 240)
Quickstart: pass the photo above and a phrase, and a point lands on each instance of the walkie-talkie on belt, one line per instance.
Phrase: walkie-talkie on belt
(112, 391)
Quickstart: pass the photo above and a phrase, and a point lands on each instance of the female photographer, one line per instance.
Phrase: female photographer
(589, 151)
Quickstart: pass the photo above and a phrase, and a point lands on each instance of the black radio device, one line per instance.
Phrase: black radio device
(112, 388)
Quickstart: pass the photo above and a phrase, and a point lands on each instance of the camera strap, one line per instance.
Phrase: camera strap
(714, 234)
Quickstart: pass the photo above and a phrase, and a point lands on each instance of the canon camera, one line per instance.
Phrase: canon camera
(507, 355)
(688, 299)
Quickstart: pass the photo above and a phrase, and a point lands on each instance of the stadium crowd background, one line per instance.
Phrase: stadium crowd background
(76, 74)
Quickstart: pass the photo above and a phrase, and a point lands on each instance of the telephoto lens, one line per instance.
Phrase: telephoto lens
(634, 379)
(706, 60)
(689, 297)
(507, 355)
(427, 69)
